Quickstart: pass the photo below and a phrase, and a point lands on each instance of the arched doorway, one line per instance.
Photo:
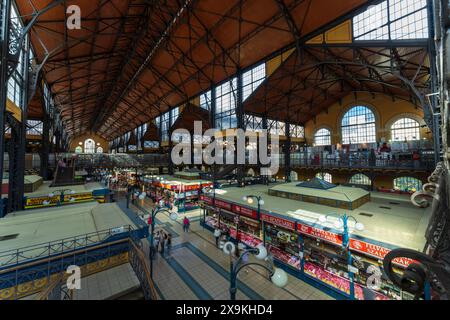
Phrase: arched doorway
(99, 150)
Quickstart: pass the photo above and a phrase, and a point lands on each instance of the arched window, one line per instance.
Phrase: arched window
(78, 149)
(89, 146)
(322, 137)
(408, 184)
(358, 126)
(360, 179)
(99, 150)
(405, 129)
(325, 176)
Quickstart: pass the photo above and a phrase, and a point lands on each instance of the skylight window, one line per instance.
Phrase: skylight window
(392, 20)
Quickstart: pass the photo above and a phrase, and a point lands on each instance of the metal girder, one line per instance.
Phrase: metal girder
(321, 70)
(4, 66)
(16, 164)
(16, 42)
(204, 38)
(164, 36)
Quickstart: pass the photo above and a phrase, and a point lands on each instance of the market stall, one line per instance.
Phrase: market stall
(309, 251)
(240, 223)
(184, 195)
(282, 240)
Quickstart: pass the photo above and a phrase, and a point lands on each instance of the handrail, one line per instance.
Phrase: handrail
(44, 250)
(58, 257)
(140, 266)
(50, 289)
(56, 290)
(137, 261)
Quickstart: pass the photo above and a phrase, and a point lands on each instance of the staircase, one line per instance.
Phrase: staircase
(41, 269)
(132, 294)
(64, 177)
(225, 172)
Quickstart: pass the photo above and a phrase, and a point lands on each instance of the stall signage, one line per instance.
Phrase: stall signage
(39, 201)
(376, 251)
(319, 233)
(287, 224)
(191, 187)
(223, 204)
(206, 199)
(78, 197)
(244, 211)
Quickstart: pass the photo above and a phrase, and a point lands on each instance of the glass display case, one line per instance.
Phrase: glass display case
(283, 244)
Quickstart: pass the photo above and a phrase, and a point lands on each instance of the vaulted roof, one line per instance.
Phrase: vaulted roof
(133, 59)
(309, 82)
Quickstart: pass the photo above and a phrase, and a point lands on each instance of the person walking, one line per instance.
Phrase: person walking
(156, 243)
(162, 243)
(186, 224)
(269, 259)
(217, 234)
(169, 243)
(245, 260)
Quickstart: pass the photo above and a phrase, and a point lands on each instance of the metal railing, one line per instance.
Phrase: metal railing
(300, 161)
(56, 291)
(120, 160)
(43, 261)
(141, 268)
(32, 253)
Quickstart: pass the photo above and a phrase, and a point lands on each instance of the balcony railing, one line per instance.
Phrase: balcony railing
(297, 161)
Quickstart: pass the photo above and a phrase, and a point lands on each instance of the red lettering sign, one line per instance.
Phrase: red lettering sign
(223, 204)
(376, 251)
(355, 245)
(287, 224)
(244, 211)
(319, 233)
(206, 199)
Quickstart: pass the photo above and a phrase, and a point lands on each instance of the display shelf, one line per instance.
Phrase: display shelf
(359, 293)
(334, 281)
(246, 238)
(291, 260)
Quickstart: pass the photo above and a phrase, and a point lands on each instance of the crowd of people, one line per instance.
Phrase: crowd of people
(162, 241)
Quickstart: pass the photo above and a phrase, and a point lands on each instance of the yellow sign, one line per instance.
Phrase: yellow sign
(40, 202)
(78, 197)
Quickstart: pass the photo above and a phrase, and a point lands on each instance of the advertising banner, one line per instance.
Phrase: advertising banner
(244, 211)
(287, 224)
(319, 233)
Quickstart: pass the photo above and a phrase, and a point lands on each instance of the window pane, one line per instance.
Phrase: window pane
(405, 129)
(325, 176)
(360, 179)
(407, 184)
(322, 137)
(358, 126)
(393, 19)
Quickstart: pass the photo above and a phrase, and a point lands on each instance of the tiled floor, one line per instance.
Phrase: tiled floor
(193, 270)
(196, 269)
